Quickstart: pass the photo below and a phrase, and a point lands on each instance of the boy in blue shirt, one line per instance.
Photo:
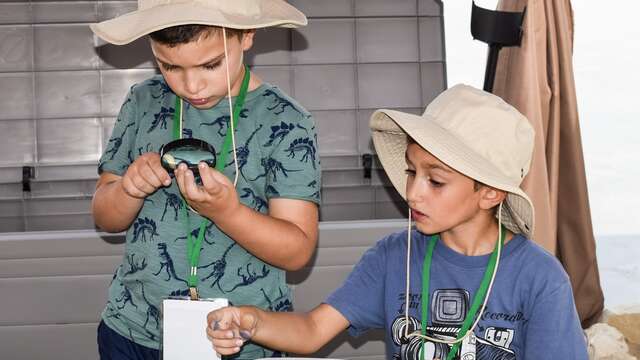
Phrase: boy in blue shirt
(466, 283)
(254, 216)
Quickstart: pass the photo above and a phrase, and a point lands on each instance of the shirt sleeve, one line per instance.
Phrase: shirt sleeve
(294, 164)
(360, 299)
(554, 331)
(117, 155)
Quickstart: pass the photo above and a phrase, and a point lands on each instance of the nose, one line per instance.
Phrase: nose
(193, 83)
(414, 193)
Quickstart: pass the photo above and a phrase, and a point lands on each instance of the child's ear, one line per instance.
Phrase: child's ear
(247, 39)
(491, 197)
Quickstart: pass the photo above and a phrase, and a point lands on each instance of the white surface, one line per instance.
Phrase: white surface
(183, 329)
(619, 265)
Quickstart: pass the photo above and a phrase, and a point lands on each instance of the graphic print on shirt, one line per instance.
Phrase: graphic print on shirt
(304, 146)
(279, 132)
(281, 303)
(166, 263)
(116, 142)
(257, 203)
(161, 118)
(174, 201)
(135, 266)
(279, 104)
(242, 153)
(251, 275)
(447, 311)
(222, 122)
(219, 266)
(143, 228)
(152, 313)
(161, 87)
(271, 169)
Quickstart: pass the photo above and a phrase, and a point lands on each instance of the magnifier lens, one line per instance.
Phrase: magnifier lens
(188, 151)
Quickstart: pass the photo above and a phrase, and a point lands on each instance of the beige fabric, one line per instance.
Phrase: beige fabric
(153, 15)
(605, 342)
(537, 79)
(472, 131)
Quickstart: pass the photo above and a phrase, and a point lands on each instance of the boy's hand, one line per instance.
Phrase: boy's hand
(144, 176)
(228, 328)
(216, 197)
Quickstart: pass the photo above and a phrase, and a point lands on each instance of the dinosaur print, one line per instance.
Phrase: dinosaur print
(279, 103)
(166, 263)
(161, 118)
(257, 202)
(196, 231)
(147, 148)
(152, 311)
(251, 277)
(242, 152)
(223, 122)
(143, 228)
(279, 132)
(175, 202)
(219, 267)
(281, 303)
(187, 133)
(164, 88)
(116, 142)
(304, 145)
(271, 168)
(134, 266)
(270, 191)
(125, 298)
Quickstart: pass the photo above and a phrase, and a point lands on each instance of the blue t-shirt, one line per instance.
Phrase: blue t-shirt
(277, 158)
(530, 313)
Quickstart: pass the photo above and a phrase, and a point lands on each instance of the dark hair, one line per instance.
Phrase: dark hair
(183, 34)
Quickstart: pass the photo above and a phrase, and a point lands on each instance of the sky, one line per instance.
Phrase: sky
(606, 54)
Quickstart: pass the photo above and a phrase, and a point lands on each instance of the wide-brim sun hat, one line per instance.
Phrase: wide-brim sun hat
(154, 15)
(475, 133)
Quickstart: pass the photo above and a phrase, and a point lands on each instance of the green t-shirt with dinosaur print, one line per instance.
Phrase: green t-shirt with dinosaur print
(276, 146)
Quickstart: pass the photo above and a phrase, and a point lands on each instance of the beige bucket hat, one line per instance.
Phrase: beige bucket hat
(474, 132)
(154, 15)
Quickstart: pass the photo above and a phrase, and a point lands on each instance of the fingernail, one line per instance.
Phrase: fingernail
(202, 165)
(245, 334)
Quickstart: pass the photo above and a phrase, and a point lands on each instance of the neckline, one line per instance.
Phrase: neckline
(453, 257)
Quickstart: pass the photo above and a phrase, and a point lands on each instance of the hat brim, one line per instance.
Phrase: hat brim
(390, 130)
(131, 26)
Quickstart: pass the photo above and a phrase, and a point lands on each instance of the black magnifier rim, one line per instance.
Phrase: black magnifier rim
(197, 143)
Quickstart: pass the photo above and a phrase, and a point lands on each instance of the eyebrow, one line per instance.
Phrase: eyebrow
(429, 166)
(214, 60)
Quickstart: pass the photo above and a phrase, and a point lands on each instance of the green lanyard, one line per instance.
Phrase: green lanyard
(477, 299)
(194, 247)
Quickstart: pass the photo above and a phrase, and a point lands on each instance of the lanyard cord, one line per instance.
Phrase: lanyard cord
(194, 247)
(483, 291)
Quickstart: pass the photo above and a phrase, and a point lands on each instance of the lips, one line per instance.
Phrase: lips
(198, 101)
(417, 215)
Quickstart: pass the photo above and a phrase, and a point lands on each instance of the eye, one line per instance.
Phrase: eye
(436, 183)
(212, 66)
(410, 172)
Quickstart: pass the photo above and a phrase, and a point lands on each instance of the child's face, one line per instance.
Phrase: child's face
(196, 71)
(440, 198)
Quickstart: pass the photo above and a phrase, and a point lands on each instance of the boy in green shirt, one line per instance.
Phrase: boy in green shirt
(229, 232)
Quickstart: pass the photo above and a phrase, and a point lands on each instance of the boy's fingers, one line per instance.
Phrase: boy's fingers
(209, 182)
(247, 326)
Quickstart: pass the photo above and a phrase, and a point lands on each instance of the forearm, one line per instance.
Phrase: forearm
(113, 209)
(278, 242)
(297, 333)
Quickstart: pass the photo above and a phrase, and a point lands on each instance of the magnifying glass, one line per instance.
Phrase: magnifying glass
(188, 151)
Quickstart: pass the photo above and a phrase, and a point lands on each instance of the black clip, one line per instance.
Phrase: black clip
(28, 173)
(367, 164)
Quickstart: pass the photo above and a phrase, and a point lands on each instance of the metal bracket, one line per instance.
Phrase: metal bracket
(367, 164)
(28, 173)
